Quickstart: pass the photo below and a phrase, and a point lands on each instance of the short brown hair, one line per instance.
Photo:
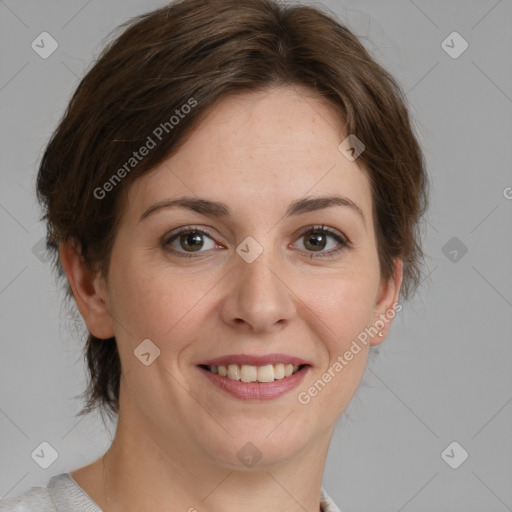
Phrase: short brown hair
(206, 50)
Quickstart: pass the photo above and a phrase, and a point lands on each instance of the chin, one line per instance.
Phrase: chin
(258, 450)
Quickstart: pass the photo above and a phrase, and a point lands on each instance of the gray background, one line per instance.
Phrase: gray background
(444, 372)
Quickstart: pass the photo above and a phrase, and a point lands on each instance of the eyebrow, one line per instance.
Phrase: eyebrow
(217, 209)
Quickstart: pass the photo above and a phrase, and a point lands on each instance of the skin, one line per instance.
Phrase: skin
(178, 436)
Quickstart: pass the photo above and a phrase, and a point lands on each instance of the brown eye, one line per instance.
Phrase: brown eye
(187, 241)
(191, 241)
(317, 238)
(315, 241)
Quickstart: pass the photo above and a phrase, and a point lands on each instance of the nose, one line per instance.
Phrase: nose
(258, 300)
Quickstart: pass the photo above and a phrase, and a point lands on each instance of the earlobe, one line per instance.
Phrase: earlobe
(386, 304)
(89, 291)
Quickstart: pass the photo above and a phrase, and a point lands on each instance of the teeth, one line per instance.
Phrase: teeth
(234, 372)
(248, 373)
(265, 373)
(279, 371)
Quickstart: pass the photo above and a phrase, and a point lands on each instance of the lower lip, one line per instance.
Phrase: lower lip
(256, 390)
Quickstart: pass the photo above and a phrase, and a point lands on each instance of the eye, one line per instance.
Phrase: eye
(189, 238)
(316, 239)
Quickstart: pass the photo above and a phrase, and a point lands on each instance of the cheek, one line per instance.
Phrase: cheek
(341, 312)
(342, 309)
(345, 304)
(157, 302)
(345, 311)
(162, 303)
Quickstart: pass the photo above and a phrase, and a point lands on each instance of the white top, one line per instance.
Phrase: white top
(63, 494)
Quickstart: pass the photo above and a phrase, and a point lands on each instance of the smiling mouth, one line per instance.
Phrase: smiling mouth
(249, 373)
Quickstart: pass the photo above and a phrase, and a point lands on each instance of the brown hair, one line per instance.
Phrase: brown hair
(194, 52)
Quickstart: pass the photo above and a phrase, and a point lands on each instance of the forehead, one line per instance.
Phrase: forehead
(261, 150)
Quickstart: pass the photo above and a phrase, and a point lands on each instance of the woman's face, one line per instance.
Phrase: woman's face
(256, 283)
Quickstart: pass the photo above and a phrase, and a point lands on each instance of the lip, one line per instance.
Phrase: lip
(255, 391)
(253, 360)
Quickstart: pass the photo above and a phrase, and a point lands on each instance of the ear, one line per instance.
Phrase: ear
(386, 304)
(89, 290)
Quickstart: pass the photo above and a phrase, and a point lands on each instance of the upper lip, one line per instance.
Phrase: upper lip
(255, 360)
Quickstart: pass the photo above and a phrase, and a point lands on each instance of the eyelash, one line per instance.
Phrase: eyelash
(343, 242)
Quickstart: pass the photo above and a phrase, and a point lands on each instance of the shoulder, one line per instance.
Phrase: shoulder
(326, 502)
(36, 499)
(61, 494)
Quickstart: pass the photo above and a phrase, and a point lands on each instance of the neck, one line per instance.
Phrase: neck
(141, 474)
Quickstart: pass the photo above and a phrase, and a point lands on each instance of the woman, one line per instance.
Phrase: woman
(233, 198)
